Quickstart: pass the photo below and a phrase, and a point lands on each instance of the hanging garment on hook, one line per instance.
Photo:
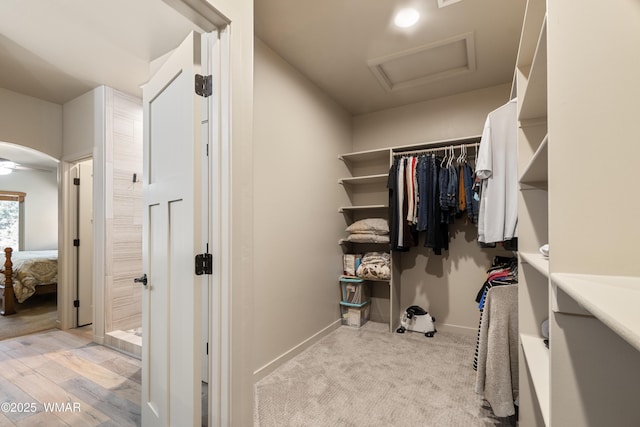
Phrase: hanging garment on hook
(497, 166)
(471, 203)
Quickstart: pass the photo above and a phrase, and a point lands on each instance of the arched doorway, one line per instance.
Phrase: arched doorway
(29, 225)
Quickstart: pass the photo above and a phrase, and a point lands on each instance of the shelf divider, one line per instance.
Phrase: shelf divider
(611, 299)
(534, 100)
(537, 261)
(537, 169)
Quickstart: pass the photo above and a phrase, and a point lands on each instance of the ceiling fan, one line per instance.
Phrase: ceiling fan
(7, 166)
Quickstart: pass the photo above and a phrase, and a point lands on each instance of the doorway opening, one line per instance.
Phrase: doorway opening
(29, 226)
(82, 214)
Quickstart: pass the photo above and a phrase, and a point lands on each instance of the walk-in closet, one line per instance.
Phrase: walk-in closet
(405, 212)
(543, 304)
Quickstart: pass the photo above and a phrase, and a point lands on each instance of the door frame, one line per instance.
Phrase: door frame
(222, 382)
(233, 263)
(84, 233)
(66, 250)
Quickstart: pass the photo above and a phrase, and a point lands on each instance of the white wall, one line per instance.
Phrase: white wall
(123, 211)
(444, 285)
(40, 206)
(443, 118)
(80, 124)
(107, 125)
(299, 133)
(31, 122)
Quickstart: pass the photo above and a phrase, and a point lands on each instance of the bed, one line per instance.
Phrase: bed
(26, 273)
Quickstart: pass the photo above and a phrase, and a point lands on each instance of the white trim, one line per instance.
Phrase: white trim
(265, 370)
(203, 14)
(99, 213)
(377, 65)
(223, 229)
(445, 3)
(65, 247)
(211, 65)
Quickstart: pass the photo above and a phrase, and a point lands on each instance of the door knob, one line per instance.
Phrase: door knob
(142, 279)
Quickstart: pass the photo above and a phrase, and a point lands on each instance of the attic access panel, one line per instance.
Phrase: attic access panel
(445, 3)
(425, 64)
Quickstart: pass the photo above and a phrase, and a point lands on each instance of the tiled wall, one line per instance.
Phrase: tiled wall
(123, 146)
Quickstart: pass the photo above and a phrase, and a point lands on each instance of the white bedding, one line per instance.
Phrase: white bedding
(30, 269)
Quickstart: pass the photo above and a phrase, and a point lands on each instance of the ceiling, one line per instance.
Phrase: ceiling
(57, 50)
(27, 157)
(332, 42)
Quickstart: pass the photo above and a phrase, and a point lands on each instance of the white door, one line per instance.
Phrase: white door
(172, 236)
(85, 249)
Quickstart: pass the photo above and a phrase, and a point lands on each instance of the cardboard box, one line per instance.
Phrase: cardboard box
(350, 263)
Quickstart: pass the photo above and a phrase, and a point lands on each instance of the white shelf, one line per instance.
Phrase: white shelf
(537, 358)
(534, 17)
(534, 100)
(385, 153)
(436, 144)
(361, 208)
(362, 156)
(537, 170)
(537, 261)
(612, 299)
(368, 179)
(349, 242)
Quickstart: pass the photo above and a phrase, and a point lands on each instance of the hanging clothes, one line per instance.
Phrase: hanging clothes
(497, 375)
(436, 234)
(497, 168)
(503, 271)
(426, 194)
(496, 356)
(462, 196)
(472, 204)
(402, 234)
(392, 186)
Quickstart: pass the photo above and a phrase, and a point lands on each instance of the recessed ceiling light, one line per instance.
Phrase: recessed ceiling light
(406, 18)
(4, 163)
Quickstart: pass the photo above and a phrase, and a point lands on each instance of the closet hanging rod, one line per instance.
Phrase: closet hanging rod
(440, 148)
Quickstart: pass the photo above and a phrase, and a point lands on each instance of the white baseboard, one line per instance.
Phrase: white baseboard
(98, 339)
(290, 354)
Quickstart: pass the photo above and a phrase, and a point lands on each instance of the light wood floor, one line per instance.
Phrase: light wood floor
(92, 385)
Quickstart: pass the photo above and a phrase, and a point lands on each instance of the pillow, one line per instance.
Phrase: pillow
(368, 238)
(369, 225)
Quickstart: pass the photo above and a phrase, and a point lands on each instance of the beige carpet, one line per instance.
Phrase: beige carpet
(37, 313)
(370, 377)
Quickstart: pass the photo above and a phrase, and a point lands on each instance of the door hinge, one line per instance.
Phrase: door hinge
(76, 242)
(76, 303)
(204, 264)
(204, 85)
(76, 181)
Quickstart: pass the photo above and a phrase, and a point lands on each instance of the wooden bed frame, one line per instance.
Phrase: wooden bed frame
(8, 297)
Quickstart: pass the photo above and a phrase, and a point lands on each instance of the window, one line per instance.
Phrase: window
(11, 219)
